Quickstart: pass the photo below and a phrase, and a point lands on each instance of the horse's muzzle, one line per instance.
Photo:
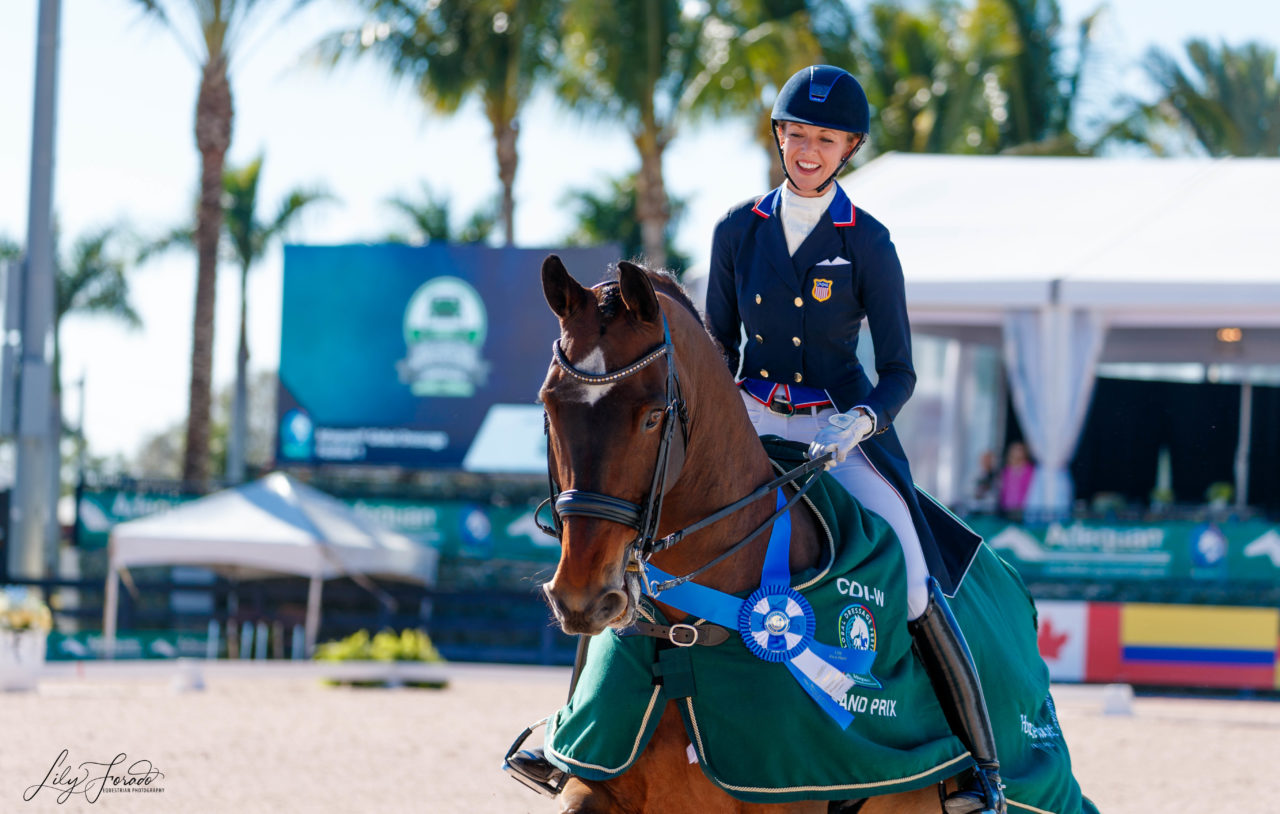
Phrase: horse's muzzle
(591, 614)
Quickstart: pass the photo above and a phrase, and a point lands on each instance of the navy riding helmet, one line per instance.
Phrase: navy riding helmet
(823, 96)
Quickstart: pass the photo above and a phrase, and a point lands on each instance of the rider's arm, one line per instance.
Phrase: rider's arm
(723, 319)
(884, 296)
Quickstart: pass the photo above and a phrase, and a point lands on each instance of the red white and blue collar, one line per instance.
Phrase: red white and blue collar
(842, 210)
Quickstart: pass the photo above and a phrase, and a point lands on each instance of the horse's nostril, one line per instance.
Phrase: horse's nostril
(549, 594)
(611, 606)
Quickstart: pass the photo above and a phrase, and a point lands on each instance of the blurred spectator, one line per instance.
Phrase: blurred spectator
(1015, 479)
(986, 486)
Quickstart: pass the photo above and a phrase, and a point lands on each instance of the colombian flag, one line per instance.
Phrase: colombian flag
(1183, 645)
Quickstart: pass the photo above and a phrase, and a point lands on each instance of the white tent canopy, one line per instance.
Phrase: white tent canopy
(1168, 242)
(272, 526)
(1068, 262)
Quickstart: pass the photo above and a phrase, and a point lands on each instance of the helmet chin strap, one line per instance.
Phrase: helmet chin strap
(783, 160)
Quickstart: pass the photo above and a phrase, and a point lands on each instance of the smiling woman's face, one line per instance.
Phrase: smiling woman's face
(812, 154)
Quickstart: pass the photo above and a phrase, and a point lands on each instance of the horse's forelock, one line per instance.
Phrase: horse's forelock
(609, 294)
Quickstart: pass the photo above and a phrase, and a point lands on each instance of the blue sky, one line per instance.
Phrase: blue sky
(125, 152)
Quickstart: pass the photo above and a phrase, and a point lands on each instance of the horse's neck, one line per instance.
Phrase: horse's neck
(725, 462)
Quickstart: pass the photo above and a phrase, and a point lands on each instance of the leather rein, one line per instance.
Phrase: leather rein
(645, 518)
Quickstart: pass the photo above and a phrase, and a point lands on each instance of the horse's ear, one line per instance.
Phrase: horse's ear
(564, 294)
(637, 292)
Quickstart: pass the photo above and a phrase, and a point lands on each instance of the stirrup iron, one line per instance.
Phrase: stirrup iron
(517, 764)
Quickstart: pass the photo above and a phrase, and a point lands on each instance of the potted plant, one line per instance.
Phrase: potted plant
(25, 622)
(1219, 494)
(387, 645)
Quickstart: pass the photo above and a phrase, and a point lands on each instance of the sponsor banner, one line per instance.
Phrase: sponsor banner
(98, 511)
(1063, 637)
(1183, 645)
(140, 645)
(1085, 550)
(456, 528)
(462, 529)
(410, 356)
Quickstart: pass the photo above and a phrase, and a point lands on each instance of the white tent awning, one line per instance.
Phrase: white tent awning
(272, 526)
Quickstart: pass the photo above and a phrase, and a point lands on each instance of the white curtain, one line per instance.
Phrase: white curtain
(1051, 355)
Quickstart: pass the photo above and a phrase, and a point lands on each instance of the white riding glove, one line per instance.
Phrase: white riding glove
(843, 432)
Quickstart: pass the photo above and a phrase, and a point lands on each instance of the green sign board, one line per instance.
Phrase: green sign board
(140, 645)
(463, 529)
(99, 510)
(1232, 551)
(456, 528)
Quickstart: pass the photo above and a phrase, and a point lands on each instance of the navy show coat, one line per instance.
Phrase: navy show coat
(802, 315)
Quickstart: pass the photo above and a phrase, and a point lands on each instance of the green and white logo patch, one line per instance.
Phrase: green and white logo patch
(444, 329)
(858, 632)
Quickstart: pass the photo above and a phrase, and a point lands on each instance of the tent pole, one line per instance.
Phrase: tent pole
(313, 613)
(109, 612)
(1242, 443)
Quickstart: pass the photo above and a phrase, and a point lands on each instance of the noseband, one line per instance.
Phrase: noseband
(641, 517)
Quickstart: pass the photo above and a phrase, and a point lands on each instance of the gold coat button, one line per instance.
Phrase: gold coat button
(758, 299)
(760, 339)
(795, 340)
(764, 374)
(799, 302)
(799, 378)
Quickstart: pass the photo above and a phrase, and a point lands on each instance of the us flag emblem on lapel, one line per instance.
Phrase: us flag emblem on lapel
(821, 289)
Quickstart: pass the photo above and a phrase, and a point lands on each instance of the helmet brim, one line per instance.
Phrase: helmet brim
(826, 125)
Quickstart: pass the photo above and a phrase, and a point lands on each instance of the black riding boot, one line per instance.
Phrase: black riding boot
(941, 647)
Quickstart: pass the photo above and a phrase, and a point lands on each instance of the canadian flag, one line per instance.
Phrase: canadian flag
(1062, 635)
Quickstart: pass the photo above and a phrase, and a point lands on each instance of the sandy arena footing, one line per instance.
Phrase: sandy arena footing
(280, 743)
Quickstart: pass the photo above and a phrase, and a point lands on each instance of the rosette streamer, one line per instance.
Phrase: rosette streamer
(776, 623)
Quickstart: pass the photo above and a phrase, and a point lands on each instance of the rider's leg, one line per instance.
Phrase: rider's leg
(937, 640)
(946, 658)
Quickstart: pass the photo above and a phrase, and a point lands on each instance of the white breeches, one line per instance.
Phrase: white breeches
(866, 484)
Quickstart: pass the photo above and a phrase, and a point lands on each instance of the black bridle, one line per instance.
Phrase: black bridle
(641, 517)
(645, 518)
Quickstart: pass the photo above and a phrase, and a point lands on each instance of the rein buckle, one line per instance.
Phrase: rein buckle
(678, 636)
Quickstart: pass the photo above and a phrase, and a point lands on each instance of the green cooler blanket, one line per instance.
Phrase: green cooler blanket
(757, 734)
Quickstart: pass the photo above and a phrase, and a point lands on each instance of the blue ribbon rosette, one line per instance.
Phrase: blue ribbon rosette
(776, 624)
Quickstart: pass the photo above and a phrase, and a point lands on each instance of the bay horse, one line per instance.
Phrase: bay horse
(646, 430)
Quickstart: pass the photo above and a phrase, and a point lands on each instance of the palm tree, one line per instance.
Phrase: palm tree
(610, 217)
(924, 79)
(1042, 90)
(211, 32)
(92, 281)
(431, 219)
(630, 61)
(248, 239)
(991, 78)
(497, 50)
(750, 49)
(1230, 101)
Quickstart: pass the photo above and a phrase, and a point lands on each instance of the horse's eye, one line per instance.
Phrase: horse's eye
(654, 420)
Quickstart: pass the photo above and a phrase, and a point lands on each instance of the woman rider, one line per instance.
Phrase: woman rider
(799, 269)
